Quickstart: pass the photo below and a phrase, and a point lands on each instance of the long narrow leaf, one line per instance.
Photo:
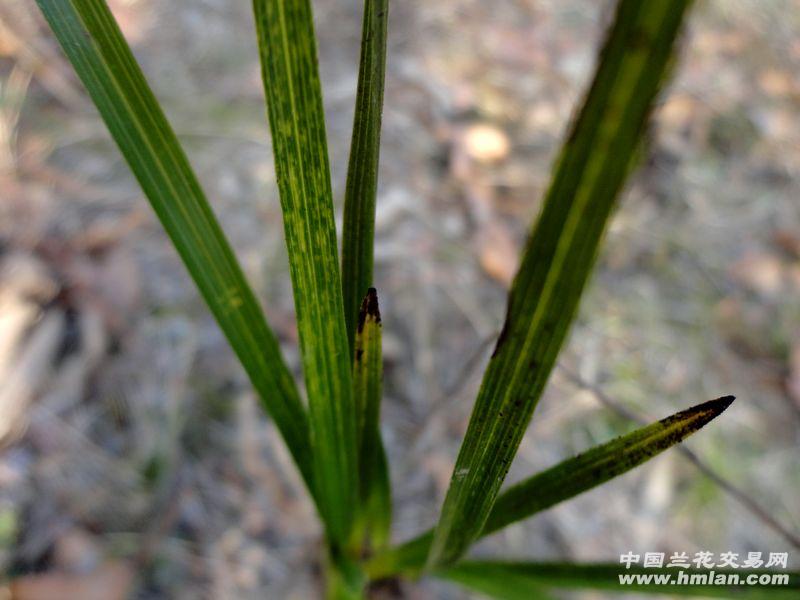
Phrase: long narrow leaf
(288, 53)
(344, 580)
(93, 43)
(379, 502)
(367, 385)
(557, 261)
(598, 465)
(358, 231)
(566, 480)
(523, 580)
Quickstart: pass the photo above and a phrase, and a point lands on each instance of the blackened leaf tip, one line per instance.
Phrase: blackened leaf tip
(724, 402)
(712, 409)
(369, 307)
(372, 304)
(700, 414)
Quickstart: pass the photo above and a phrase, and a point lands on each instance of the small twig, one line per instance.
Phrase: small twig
(727, 486)
(455, 387)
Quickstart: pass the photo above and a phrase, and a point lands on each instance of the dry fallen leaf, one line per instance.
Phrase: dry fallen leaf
(76, 551)
(28, 374)
(499, 254)
(761, 272)
(788, 241)
(777, 83)
(112, 581)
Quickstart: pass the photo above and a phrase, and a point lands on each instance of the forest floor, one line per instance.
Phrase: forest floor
(135, 460)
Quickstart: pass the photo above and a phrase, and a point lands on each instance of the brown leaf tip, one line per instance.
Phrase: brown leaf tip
(714, 408)
(369, 308)
(722, 403)
(702, 413)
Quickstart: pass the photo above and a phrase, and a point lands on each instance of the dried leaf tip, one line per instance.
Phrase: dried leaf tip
(369, 308)
(701, 414)
(724, 402)
(715, 407)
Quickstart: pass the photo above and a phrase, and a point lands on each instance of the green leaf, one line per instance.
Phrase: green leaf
(288, 53)
(344, 579)
(367, 383)
(93, 43)
(375, 497)
(379, 502)
(598, 465)
(522, 580)
(557, 261)
(566, 480)
(358, 231)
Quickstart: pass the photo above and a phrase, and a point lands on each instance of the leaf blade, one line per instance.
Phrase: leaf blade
(556, 263)
(358, 230)
(567, 479)
(599, 465)
(379, 502)
(374, 493)
(516, 580)
(92, 41)
(287, 48)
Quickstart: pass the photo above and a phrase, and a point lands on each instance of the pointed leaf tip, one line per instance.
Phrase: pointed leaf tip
(701, 414)
(375, 494)
(557, 260)
(569, 478)
(361, 188)
(724, 402)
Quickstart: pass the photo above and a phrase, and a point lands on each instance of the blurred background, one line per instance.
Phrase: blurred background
(135, 461)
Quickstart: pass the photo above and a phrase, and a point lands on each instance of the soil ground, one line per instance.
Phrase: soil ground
(135, 459)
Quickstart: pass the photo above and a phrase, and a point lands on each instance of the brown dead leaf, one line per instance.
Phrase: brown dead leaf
(26, 277)
(99, 271)
(761, 272)
(16, 318)
(788, 241)
(76, 551)
(777, 83)
(28, 374)
(133, 19)
(498, 252)
(112, 581)
(678, 111)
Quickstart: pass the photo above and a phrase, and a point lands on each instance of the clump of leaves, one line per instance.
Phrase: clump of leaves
(334, 437)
